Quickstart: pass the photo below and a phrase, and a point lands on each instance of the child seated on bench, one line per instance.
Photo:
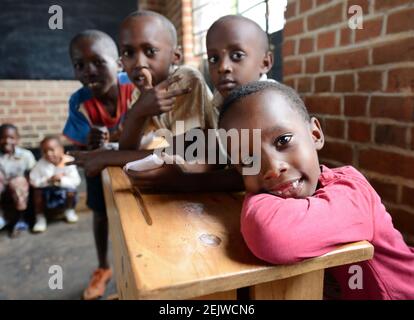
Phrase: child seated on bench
(55, 183)
(297, 209)
(15, 164)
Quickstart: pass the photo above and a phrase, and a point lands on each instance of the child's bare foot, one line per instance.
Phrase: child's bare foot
(97, 284)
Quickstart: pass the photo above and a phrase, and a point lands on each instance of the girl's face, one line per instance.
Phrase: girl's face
(289, 166)
(9, 138)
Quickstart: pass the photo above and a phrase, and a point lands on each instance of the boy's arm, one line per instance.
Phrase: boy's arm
(284, 231)
(95, 161)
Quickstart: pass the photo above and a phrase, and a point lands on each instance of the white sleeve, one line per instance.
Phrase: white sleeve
(38, 176)
(71, 179)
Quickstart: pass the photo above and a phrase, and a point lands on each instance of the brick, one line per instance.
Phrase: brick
(321, 2)
(387, 191)
(345, 36)
(402, 220)
(362, 3)
(407, 196)
(292, 67)
(385, 4)
(401, 80)
(359, 131)
(391, 135)
(401, 21)
(397, 108)
(37, 110)
(371, 29)
(412, 138)
(346, 60)
(337, 151)
(14, 120)
(5, 103)
(13, 94)
(306, 45)
(370, 81)
(334, 128)
(54, 102)
(289, 83)
(395, 51)
(293, 27)
(323, 104)
(385, 162)
(305, 5)
(326, 17)
(355, 106)
(289, 48)
(313, 64)
(290, 10)
(323, 84)
(304, 84)
(326, 40)
(23, 103)
(344, 83)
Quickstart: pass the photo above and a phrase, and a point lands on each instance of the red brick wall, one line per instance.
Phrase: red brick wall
(37, 108)
(360, 84)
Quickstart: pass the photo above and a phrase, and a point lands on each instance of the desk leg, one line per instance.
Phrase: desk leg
(308, 286)
(225, 295)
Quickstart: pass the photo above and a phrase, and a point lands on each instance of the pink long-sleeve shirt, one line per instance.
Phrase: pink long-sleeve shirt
(344, 209)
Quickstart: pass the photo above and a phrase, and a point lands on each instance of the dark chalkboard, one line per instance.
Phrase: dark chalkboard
(29, 49)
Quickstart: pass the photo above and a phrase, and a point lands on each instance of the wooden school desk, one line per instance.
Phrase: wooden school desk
(189, 246)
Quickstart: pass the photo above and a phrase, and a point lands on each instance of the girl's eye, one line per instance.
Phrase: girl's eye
(237, 55)
(212, 59)
(283, 140)
(98, 63)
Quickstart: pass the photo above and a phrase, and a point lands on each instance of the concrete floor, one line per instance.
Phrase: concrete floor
(25, 261)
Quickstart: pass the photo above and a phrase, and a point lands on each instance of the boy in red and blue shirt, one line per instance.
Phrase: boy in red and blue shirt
(96, 114)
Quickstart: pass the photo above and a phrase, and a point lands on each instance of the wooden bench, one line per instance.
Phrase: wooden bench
(189, 246)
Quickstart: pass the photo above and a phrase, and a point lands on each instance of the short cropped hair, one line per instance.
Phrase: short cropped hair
(166, 22)
(242, 92)
(51, 137)
(97, 35)
(6, 126)
(261, 35)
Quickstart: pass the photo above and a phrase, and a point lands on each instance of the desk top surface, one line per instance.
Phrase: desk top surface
(190, 245)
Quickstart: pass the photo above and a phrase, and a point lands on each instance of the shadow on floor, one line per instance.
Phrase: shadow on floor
(25, 261)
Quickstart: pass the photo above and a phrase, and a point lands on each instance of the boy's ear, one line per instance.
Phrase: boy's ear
(267, 62)
(317, 133)
(177, 55)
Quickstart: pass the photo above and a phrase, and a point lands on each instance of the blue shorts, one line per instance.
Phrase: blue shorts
(56, 197)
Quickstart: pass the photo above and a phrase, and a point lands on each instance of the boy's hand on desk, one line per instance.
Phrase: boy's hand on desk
(157, 100)
(91, 162)
(165, 178)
